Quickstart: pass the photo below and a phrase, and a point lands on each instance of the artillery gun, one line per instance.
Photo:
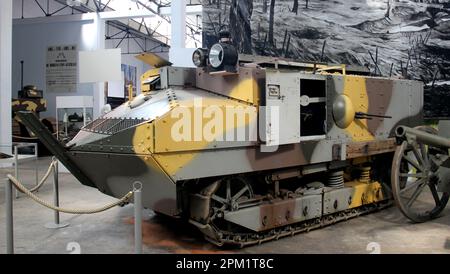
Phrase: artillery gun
(421, 168)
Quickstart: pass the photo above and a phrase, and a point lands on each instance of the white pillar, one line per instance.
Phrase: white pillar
(178, 21)
(99, 88)
(5, 74)
(179, 55)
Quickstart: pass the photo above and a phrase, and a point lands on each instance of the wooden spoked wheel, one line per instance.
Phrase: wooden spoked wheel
(415, 177)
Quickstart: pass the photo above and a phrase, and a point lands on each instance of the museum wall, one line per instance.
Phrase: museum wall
(30, 42)
(408, 38)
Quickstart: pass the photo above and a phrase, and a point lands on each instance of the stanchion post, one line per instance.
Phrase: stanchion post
(56, 189)
(137, 189)
(36, 163)
(9, 217)
(16, 168)
(56, 223)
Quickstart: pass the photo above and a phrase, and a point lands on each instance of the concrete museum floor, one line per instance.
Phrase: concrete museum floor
(112, 232)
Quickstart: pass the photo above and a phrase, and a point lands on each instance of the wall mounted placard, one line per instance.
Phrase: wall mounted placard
(61, 68)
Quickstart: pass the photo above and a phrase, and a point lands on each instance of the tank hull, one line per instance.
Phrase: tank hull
(326, 163)
(118, 172)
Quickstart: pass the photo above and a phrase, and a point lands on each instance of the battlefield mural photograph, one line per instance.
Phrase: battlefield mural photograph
(398, 38)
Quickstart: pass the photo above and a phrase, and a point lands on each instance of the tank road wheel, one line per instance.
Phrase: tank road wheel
(209, 207)
(231, 194)
(415, 178)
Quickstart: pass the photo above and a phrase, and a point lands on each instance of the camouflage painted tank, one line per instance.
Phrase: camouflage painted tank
(249, 149)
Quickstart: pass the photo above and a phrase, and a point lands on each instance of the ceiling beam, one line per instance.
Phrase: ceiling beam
(145, 13)
(56, 19)
(123, 27)
(90, 12)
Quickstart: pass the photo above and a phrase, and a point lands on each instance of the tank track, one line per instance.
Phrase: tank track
(226, 238)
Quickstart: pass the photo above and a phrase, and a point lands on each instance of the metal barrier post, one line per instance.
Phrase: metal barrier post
(56, 189)
(16, 168)
(9, 217)
(137, 189)
(56, 224)
(36, 163)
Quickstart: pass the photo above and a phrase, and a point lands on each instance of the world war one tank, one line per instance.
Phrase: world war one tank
(247, 148)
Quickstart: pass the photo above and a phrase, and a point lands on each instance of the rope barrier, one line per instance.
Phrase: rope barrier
(44, 179)
(13, 182)
(27, 192)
